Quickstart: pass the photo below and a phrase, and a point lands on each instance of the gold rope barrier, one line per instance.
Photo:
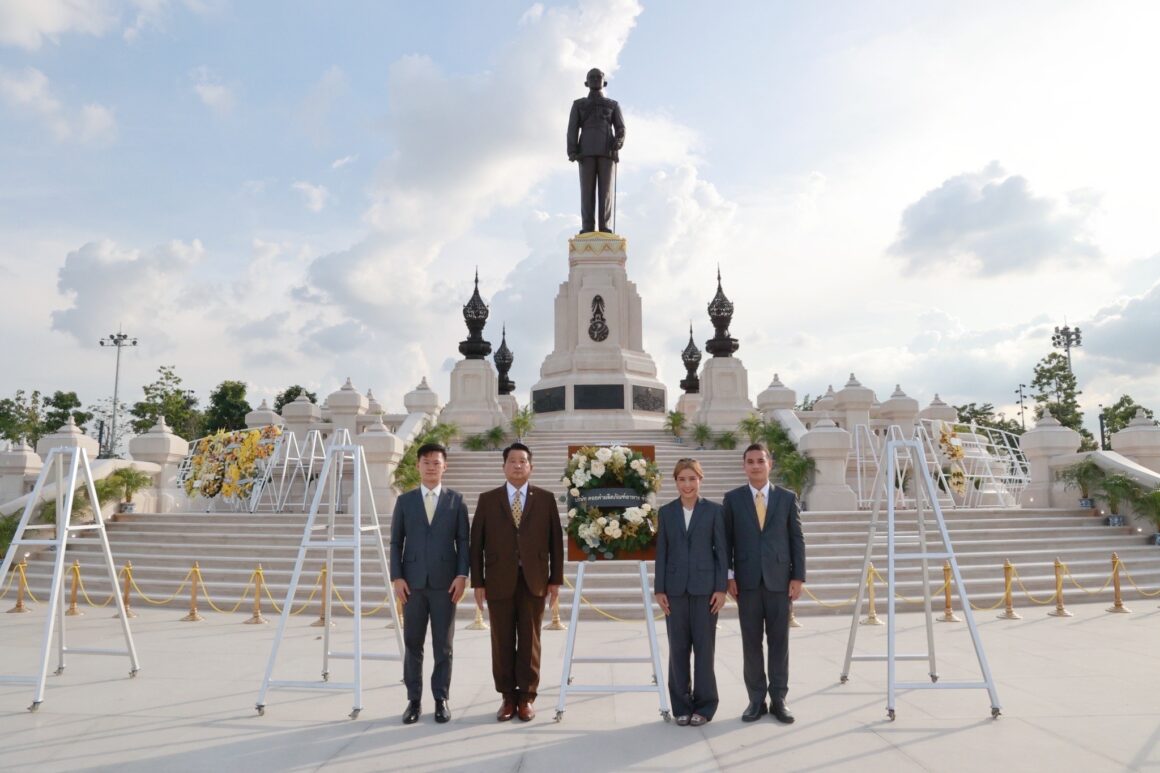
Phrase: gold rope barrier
(334, 590)
(89, 600)
(1060, 610)
(600, 611)
(1145, 594)
(1008, 575)
(872, 616)
(1118, 598)
(305, 604)
(259, 583)
(193, 616)
(821, 603)
(948, 615)
(11, 579)
(153, 601)
(21, 589)
(235, 607)
(75, 571)
(127, 572)
(1028, 593)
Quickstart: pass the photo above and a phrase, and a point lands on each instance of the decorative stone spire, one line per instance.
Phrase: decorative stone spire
(721, 314)
(475, 314)
(503, 363)
(691, 356)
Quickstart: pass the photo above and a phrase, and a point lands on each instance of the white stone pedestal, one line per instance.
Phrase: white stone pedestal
(473, 406)
(509, 406)
(724, 394)
(598, 375)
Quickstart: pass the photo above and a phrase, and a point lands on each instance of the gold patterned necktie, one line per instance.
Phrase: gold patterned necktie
(429, 503)
(517, 509)
(759, 503)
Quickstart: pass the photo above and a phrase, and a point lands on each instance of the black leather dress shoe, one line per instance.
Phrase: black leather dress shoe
(411, 715)
(755, 712)
(442, 711)
(781, 713)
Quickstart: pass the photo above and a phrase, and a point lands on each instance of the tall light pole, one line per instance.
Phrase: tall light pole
(119, 340)
(1065, 338)
(1019, 392)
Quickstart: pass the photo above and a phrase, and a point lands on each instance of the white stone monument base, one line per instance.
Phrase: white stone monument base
(509, 406)
(689, 405)
(599, 401)
(473, 406)
(724, 394)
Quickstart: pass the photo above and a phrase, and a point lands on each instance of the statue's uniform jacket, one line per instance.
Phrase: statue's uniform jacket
(595, 128)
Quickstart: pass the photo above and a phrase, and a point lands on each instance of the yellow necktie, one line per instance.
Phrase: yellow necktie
(759, 503)
(429, 503)
(517, 509)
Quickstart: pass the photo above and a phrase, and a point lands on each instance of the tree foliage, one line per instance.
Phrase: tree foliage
(165, 397)
(985, 416)
(406, 475)
(1057, 393)
(227, 407)
(1120, 413)
(32, 416)
(290, 394)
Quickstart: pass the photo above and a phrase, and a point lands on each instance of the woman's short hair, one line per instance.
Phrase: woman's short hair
(688, 464)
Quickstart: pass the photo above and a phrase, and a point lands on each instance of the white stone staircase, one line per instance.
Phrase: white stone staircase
(228, 546)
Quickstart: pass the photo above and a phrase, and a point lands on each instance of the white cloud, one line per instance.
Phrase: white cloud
(338, 163)
(991, 223)
(109, 284)
(314, 196)
(29, 23)
(29, 92)
(216, 95)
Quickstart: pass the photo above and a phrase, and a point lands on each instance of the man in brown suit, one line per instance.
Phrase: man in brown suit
(517, 560)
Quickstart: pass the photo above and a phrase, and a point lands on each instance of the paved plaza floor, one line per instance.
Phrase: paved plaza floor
(1077, 694)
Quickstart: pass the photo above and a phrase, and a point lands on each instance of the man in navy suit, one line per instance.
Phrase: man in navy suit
(429, 564)
(768, 560)
(690, 589)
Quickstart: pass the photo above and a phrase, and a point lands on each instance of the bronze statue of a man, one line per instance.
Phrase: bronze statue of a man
(595, 135)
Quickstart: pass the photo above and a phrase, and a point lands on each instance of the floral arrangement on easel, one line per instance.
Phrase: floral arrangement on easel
(229, 463)
(607, 531)
(952, 448)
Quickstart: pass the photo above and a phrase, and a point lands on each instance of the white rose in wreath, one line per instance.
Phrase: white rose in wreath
(597, 469)
(603, 455)
(574, 492)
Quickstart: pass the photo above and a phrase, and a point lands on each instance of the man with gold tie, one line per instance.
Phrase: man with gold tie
(767, 562)
(517, 564)
(429, 565)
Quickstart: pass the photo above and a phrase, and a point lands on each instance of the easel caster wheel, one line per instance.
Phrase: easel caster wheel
(35, 705)
(261, 709)
(58, 672)
(133, 673)
(569, 680)
(844, 678)
(995, 712)
(354, 713)
(934, 677)
(559, 716)
(890, 714)
(326, 676)
(666, 716)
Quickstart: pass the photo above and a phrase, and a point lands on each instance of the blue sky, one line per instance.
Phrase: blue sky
(299, 192)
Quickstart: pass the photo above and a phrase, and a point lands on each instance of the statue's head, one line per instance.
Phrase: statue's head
(595, 79)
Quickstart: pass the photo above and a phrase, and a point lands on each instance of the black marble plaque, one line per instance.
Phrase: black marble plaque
(648, 399)
(598, 397)
(548, 400)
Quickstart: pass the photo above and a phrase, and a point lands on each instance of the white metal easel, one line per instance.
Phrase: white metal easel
(340, 457)
(898, 453)
(66, 467)
(654, 657)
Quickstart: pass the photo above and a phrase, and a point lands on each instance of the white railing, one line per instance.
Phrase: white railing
(993, 465)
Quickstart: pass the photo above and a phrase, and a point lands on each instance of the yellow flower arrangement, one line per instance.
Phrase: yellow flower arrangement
(229, 463)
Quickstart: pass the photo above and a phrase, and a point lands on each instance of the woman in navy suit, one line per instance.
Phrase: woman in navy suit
(690, 589)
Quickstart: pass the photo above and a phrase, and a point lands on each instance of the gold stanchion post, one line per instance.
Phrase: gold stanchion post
(128, 572)
(1060, 610)
(948, 615)
(1008, 612)
(872, 616)
(557, 624)
(1118, 605)
(75, 571)
(256, 616)
(325, 581)
(21, 588)
(793, 621)
(194, 581)
(478, 624)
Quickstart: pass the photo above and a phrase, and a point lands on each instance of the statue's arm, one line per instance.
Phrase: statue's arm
(574, 133)
(618, 127)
